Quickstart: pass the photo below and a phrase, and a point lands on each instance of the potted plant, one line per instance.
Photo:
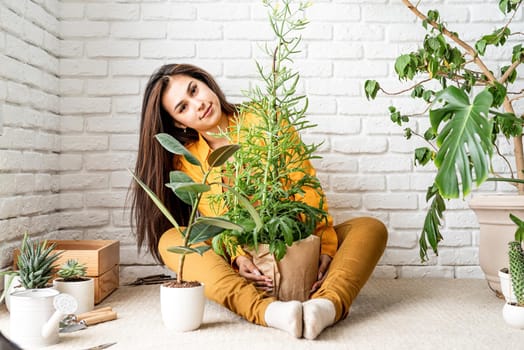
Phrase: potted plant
(471, 107)
(513, 311)
(272, 169)
(73, 281)
(182, 302)
(32, 307)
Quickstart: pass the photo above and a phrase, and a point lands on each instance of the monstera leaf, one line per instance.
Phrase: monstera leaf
(464, 141)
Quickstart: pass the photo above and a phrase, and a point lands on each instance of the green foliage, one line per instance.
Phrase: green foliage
(519, 232)
(464, 99)
(72, 270)
(36, 263)
(270, 170)
(199, 229)
(516, 269)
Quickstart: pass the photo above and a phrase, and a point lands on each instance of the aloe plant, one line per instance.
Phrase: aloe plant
(36, 263)
(470, 106)
(199, 229)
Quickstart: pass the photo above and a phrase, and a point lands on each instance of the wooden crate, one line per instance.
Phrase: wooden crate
(101, 257)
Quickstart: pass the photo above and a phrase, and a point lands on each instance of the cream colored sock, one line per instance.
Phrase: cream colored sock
(318, 314)
(286, 316)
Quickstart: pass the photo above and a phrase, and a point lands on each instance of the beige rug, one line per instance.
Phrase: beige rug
(388, 314)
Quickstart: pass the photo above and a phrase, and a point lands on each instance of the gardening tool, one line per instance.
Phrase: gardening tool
(72, 323)
(101, 346)
(152, 279)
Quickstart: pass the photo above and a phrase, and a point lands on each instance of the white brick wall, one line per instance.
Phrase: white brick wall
(30, 136)
(73, 71)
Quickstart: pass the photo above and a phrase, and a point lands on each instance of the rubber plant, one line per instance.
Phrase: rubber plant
(471, 106)
(199, 229)
(269, 169)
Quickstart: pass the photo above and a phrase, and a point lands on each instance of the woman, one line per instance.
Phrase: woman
(186, 102)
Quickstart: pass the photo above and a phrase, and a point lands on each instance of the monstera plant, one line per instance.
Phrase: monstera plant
(471, 108)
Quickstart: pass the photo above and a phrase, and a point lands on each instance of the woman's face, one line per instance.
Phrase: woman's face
(192, 104)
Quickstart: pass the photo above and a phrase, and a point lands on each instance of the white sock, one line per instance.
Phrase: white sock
(286, 316)
(318, 314)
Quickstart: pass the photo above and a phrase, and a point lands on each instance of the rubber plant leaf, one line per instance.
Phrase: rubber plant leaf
(174, 146)
(177, 176)
(157, 201)
(464, 141)
(221, 155)
(182, 250)
(204, 229)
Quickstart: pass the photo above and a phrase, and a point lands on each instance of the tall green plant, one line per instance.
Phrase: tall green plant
(270, 169)
(470, 105)
(199, 229)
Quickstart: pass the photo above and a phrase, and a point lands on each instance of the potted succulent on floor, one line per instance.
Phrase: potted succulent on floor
(32, 307)
(272, 169)
(471, 109)
(73, 281)
(513, 312)
(182, 302)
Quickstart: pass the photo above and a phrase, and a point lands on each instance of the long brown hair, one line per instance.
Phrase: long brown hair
(154, 163)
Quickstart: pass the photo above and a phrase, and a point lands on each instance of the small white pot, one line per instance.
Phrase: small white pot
(30, 311)
(182, 309)
(506, 286)
(15, 286)
(82, 291)
(513, 315)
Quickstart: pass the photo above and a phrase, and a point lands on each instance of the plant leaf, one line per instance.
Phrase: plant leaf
(202, 231)
(465, 141)
(157, 201)
(221, 155)
(182, 250)
(174, 146)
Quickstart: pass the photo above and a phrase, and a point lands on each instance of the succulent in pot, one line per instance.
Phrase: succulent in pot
(72, 280)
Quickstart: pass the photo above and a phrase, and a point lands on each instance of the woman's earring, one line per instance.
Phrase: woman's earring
(185, 130)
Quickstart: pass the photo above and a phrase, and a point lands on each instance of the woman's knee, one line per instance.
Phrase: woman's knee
(368, 228)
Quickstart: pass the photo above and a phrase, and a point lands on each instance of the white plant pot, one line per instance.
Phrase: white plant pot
(506, 287)
(182, 309)
(15, 286)
(82, 291)
(30, 310)
(513, 315)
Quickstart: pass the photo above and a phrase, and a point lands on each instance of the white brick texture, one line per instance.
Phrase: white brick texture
(71, 82)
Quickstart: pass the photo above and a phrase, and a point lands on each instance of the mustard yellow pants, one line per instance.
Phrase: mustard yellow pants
(361, 242)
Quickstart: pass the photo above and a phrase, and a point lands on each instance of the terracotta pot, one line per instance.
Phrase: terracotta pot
(496, 230)
(182, 309)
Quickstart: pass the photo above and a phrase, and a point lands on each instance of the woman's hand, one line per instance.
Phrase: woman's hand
(248, 270)
(323, 267)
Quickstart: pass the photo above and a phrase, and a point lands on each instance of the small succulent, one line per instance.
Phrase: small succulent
(72, 270)
(36, 263)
